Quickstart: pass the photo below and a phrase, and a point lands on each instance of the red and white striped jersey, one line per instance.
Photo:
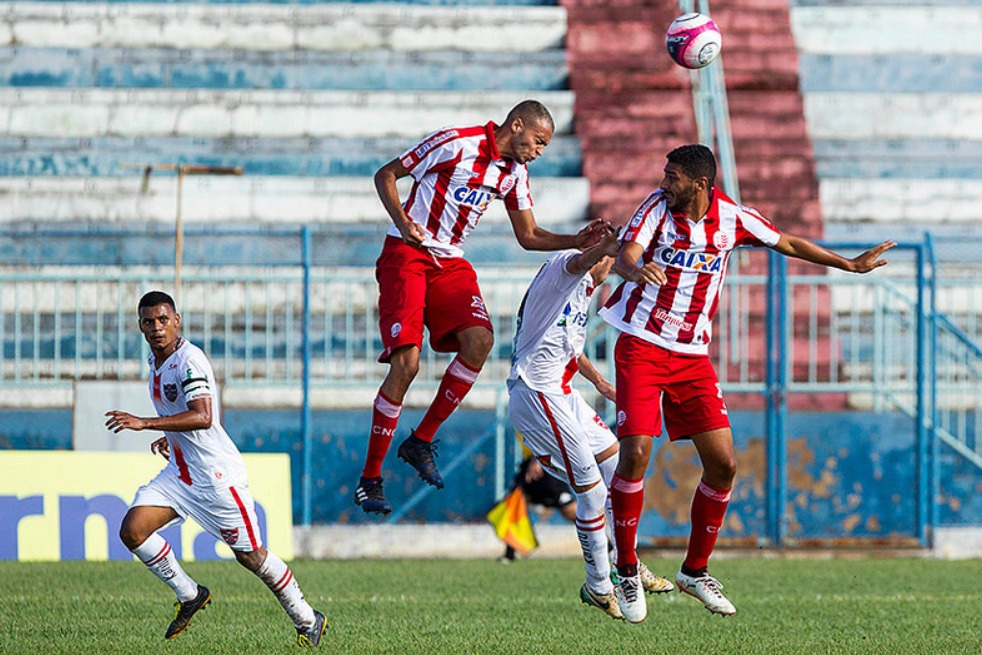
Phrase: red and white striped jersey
(678, 315)
(457, 172)
(203, 458)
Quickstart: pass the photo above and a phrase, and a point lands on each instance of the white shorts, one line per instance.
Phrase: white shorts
(228, 512)
(561, 428)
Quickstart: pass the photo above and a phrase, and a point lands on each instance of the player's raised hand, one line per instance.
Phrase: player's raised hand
(592, 233)
(870, 259)
(412, 233)
(650, 273)
(162, 447)
(119, 421)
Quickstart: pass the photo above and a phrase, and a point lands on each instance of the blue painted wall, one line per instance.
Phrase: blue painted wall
(850, 475)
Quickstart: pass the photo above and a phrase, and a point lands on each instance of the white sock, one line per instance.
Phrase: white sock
(590, 526)
(607, 468)
(156, 553)
(279, 578)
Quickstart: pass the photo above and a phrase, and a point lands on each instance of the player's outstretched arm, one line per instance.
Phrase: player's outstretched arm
(385, 185)
(197, 417)
(801, 248)
(627, 267)
(532, 237)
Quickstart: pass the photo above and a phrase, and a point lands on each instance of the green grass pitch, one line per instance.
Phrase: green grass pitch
(807, 606)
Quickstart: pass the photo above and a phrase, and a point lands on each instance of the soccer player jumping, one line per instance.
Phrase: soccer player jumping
(205, 477)
(673, 258)
(424, 279)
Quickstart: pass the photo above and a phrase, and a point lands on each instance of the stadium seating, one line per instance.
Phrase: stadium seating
(892, 110)
(310, 99)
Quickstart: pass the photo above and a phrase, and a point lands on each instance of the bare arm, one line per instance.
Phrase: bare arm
(626, 266)
(197, 417)
(532, 237)
(385, 185)
(583, 262)
(801, 248)
(587, 370)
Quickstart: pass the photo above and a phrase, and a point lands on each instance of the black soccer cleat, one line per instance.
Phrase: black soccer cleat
(311, 635)
(370, 496)
(419, 454)
(185, 611)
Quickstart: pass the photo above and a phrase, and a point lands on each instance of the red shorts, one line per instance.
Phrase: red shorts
(417, 290)
(652, 380)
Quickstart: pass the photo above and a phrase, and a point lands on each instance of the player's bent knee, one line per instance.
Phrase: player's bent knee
(251, 559)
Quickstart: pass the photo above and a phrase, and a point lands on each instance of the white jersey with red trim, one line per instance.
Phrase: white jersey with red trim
(678, 315)
(457, 172)
(206, 458)
(551, 329)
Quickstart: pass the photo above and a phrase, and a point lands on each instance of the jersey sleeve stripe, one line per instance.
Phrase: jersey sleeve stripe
(188, 381)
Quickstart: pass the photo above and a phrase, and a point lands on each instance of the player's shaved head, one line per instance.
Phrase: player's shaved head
(695, 160)
(154, 298)
(532, 112)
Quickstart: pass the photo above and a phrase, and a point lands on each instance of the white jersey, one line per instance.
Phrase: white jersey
(457, 173)
(551, 328)
(678, 315)
(208, 457)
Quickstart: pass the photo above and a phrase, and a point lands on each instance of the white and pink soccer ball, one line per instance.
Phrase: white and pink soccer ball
(693, 40)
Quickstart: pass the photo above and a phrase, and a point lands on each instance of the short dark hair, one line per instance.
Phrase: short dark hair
(154, 298)
(531, 111)
(695, 160)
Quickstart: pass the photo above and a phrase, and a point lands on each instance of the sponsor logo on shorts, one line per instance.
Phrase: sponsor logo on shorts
(170, 390)
(621, 417)
(478, 310)
(396, 329)
(230, 536)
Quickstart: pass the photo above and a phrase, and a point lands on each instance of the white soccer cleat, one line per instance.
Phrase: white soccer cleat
(653, 584)
(630, 598)
(707, 589)
(606, 602)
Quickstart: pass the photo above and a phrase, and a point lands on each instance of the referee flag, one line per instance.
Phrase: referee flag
(511, 522)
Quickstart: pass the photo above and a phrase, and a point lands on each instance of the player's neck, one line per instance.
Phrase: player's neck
(697, 209)
(160, 355)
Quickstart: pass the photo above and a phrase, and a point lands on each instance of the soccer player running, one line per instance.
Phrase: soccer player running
(424, 279)
(560, 428)
(673, 259)
(205, 477)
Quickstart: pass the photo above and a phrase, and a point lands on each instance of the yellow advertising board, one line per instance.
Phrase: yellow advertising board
(64, 505)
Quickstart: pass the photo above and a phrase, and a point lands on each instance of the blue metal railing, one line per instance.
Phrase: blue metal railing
(310, 328)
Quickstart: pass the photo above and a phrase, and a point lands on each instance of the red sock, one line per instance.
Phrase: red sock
(385, 417)
(457, 381)
(708, 508)
(627, 499)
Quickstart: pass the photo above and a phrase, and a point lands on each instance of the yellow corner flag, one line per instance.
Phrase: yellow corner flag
(511, 522)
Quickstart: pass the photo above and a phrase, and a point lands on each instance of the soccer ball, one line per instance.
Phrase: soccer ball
(693, 40)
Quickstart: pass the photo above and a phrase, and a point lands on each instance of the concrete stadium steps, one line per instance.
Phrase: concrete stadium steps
(910, 205)
(255, 199)
(338, 27)
(918, 159)
(894, 111)
(927, 28)
(892, 73)
(370, 70)
(282, 114)
(323, 157)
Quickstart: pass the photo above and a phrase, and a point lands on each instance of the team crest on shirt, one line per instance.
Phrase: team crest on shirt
(230, 536)
(170, 391)
(506, 184)
(721, 240)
